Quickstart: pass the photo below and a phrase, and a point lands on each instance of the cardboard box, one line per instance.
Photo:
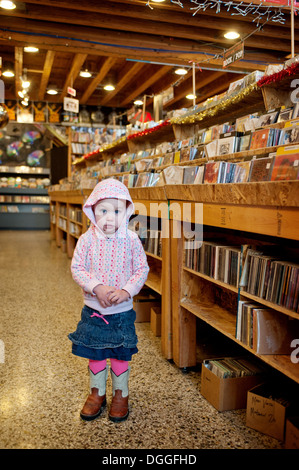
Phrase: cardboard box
(229, 393)
(292, 433)
(142, 304)
(156, 321)
(265, 414)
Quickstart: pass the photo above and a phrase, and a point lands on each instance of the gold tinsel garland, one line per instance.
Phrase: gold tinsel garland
(214, 110)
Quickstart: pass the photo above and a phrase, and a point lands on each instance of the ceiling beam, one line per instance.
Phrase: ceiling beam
(46, 74)
(145, 84)
(108, 63)
(168, 13)
(81, 39)
(123, 80)
(77, 64)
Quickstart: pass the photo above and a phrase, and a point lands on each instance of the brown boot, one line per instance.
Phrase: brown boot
(119, 409)
(93, 406)
(96, 401)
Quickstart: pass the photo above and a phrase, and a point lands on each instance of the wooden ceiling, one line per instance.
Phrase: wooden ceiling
(134, 45)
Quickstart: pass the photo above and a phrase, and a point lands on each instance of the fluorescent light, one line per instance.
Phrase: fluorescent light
(232, 35)
(109, 87)
(138, 102)
(180, 71)
(85, 73)
(31, 49)
(190, 96)
(7, 5)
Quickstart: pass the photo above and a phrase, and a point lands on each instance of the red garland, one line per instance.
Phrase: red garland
(149, 131)
(277, 77)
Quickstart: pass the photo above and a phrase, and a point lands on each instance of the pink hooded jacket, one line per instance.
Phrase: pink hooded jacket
(118, 260)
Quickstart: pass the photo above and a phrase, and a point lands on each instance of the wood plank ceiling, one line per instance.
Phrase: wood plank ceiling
(133, 45)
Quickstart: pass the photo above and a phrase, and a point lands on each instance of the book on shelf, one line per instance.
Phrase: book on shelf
(260, 139)
(265, 276)
(285, 114)
(289, 135)
(177, 156)
(211, 172)
(189, 174)
(211, 149)
(185, 154)
(244, 142)
(261, 169)
(286, 164)
(232, 367)
(168, 158)
(268, 118)
(265, 330)
(173, 174)
(152, 242)
(220, 262)
(242, 172)
(199, 178)
(226, 145)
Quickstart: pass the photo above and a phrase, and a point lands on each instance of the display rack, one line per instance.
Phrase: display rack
(24, 207)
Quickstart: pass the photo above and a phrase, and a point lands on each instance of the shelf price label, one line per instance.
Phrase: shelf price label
(233, 54)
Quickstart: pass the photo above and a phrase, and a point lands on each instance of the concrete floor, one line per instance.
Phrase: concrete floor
(43, 386)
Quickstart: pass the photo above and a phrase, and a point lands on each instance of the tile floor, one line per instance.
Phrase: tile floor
(43, 386)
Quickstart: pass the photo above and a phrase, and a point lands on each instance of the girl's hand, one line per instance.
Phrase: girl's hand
(118, 296)
(102, 293)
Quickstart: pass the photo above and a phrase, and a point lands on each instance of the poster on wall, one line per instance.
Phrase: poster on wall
(54, 113)
(40, 111)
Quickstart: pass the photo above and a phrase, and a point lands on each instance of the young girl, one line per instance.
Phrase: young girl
(110, 265)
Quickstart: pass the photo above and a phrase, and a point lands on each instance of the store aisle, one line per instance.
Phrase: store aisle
(43, 386)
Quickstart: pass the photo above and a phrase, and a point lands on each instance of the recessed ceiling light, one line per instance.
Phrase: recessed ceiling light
(109, 87)
(190, 96)
(7, 5)
(180, 71)
(31, 49)
(85, 73)
(138, 102)
(232, 35)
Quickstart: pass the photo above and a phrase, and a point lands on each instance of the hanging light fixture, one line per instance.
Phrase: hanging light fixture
(8, 70)
(190, 96)
(52, 90)
(31, 49)
(181, 71)
(231, 35)
(109, 87)
(138, 102)
(85, 73)
(7, 5)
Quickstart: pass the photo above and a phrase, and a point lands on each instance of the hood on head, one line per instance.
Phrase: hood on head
(109, 188)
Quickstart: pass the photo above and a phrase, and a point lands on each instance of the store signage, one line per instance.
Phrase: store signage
(71, 91)
(233, 54)
(70, 104)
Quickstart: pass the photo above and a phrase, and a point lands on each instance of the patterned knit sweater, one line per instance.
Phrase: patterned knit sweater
(116, 260)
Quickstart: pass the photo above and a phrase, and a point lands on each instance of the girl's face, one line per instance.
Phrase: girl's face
(109, 214)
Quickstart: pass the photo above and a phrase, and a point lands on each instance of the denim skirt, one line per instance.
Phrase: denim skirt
(101, 337)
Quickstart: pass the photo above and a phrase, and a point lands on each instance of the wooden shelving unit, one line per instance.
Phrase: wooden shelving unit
(197, 295)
